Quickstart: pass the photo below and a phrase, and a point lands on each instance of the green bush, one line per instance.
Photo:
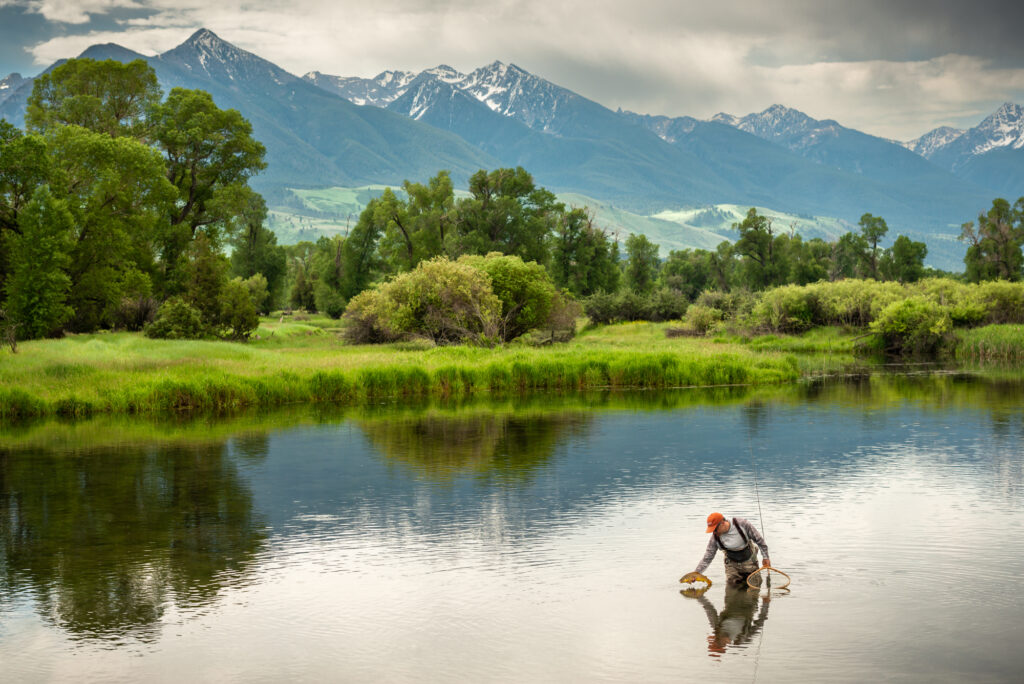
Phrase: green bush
(960, 300)
(1003, 301)
(733, 305)
(238, 317)
(667, 305)
(701, 319)
(914, 326)
(441, 300)
(176, 319)
(601, 308)
(854, 302)
(661, 305)
(786, 309)
(367, 318)
(525, 290)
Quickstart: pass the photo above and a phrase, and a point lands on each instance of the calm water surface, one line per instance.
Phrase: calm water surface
(524, 541)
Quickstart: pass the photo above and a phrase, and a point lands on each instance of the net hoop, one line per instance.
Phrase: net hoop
(770, 569)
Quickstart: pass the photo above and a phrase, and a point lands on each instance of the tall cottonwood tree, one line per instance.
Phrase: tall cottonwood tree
(994, 245)
(505, 213)
(104, 96)
(873, 229)
(583, 258)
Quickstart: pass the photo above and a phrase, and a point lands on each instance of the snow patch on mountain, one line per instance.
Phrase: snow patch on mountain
(11, 83)
(206, 54)
(1004, 128)
(933, 140)
(784, 125)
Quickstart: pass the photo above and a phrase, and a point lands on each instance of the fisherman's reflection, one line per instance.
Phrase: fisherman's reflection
(736, 624)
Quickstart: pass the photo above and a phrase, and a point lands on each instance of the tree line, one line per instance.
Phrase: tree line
(118, 207)
(115, 200)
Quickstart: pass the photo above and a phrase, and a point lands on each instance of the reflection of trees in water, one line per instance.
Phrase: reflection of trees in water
(506, 445)
(105, 539)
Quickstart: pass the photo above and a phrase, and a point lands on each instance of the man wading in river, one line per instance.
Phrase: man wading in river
(737, 538)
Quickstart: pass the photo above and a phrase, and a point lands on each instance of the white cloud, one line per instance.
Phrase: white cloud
(77, 11)
(146, 41)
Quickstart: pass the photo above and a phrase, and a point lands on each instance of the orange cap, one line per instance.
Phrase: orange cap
(714, 520)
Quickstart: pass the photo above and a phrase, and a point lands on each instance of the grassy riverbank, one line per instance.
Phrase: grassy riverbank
(126, 373)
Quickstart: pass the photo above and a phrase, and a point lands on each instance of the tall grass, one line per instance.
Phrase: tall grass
(991, 343)
(125, 373)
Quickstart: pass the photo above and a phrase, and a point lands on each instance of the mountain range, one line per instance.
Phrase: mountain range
(325, 130)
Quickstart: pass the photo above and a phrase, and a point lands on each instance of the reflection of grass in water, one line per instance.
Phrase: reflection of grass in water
(510, 445)
(994, 392)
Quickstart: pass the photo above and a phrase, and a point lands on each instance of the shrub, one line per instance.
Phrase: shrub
(238, 315)
(701, 319)
(1003, 301)
(667, 305)
(258, 292)
(632, 306)
(914, 326)
(134, 313)
(176, 319)
(854, 302)
(601, 308)
(367, 317)
(328, 300)
(560, 325)
(731, 304)
(958, 299)
(524, 288)
(445, 301)
(786, 309)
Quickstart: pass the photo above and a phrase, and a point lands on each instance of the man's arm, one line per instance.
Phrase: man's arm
(755, 536)
(709, 555)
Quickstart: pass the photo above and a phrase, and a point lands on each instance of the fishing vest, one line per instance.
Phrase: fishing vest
(742, 555)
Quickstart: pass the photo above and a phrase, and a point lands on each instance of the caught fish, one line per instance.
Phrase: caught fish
(691, 577)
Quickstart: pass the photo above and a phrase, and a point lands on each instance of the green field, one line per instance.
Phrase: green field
(303, 361)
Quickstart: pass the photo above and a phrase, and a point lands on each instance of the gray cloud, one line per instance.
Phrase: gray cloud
(894, 68)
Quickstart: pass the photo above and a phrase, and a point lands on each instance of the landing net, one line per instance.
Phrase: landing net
(768, 578)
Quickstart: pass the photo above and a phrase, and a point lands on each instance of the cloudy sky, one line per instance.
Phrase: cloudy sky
(895, 68)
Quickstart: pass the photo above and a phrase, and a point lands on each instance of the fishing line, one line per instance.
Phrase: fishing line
(764, 534)
(756, 492)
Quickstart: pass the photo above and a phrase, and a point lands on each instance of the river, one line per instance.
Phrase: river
(524, 540)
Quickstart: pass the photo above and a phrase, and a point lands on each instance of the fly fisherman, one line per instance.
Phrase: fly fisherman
(737, 539)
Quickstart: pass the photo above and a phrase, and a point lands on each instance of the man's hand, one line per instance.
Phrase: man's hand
(765, 563)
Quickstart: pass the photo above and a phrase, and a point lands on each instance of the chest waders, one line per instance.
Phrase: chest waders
(741, 555)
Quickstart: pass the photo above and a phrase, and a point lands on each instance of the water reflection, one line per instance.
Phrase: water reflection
(740, 620)
(546, 553)
(506, 446)
(105, 541)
